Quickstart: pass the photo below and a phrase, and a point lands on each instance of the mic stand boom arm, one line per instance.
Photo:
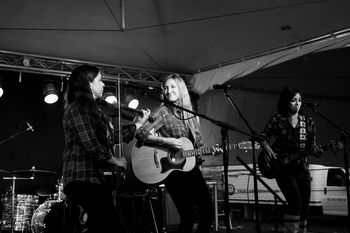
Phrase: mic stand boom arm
(12, 136)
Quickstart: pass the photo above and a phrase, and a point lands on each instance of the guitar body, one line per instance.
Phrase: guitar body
(268, 170)
(152, 165)
(272, 168)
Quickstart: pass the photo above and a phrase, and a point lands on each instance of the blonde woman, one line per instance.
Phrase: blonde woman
(166, 127)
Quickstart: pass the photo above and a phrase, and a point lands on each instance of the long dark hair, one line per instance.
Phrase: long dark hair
(286, 96)
(78, 88)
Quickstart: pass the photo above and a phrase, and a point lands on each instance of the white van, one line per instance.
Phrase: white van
(328, 190)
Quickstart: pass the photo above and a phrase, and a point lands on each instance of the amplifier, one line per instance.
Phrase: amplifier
(171, 217)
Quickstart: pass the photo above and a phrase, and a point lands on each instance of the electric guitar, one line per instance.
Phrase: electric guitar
(152, 165)
(270, 169)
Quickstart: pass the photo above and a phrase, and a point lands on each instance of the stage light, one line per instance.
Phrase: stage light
(26, 61)
(50, 93)
(1, 90)
(110, 98)
(131, 101)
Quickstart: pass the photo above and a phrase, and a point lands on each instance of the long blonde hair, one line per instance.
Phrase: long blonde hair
(184, 101)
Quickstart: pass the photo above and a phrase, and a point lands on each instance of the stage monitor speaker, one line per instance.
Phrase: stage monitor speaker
(171, 217)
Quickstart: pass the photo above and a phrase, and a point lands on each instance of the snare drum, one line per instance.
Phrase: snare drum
(23, 208)
(55, 216)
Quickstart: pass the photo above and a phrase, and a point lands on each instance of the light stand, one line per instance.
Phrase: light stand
(344, 136)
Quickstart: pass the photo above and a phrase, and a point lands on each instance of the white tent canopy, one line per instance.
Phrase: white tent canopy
(173, 36)
(204, 81)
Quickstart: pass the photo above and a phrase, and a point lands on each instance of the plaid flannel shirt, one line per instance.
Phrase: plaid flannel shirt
(287, 138)
(164, 123)
(85, 153)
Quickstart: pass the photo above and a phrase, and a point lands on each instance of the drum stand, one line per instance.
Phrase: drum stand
(14, 178)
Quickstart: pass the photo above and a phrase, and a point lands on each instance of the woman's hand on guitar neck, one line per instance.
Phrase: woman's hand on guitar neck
(319, 152)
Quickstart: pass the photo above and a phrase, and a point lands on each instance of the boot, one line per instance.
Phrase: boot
(291, 224)
(302, 226)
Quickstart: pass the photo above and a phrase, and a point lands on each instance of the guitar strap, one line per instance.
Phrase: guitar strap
(302, 133)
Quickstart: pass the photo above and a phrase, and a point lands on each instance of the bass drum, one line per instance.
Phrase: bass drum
(23, 207)
(55, 216)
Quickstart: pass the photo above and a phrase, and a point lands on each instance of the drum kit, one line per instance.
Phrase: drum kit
(23, 212)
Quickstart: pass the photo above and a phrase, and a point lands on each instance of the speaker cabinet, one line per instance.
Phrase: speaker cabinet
(171, 217)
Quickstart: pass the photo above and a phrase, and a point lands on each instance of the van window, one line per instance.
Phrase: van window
(336, 177)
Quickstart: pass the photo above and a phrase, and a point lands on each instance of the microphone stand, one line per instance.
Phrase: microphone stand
(224, 128)
(252, 132)
(15, 135)
(344, 136)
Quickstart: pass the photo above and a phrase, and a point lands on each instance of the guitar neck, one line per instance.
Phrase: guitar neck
(197, 152)
(208, 150)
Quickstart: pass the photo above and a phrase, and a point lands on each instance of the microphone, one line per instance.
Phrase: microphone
(310, 105)
(222, 86)
(141, 86)
(29, 127)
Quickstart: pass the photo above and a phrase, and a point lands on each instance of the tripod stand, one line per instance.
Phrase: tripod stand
(141, 203)
(147, 197)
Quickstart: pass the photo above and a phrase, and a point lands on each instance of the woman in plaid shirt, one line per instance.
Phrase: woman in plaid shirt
(89, 141)
(165, 127)
(293, 133)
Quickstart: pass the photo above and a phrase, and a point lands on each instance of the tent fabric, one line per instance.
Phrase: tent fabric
(204, 81)
(173, 36)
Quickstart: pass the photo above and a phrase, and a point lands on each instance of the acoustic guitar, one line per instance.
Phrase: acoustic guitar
(273, 167)
(152, 165)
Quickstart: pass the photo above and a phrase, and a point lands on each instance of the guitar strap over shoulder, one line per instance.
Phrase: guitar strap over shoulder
(302, 133)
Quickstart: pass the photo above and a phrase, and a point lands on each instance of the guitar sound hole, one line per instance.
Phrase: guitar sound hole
(176, 156)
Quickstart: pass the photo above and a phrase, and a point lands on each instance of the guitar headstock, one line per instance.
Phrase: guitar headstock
(334, 146)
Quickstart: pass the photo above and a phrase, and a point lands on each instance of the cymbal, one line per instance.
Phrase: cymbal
(3, 172)
(32, 172)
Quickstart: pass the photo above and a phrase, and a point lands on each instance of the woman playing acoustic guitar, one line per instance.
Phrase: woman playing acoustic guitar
(167, 127)
(294, 139)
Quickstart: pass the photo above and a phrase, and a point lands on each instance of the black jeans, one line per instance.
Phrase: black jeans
(191, 197)
(97, 201)
(296, 188)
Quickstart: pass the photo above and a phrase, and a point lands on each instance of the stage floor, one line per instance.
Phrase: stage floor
(317, 224)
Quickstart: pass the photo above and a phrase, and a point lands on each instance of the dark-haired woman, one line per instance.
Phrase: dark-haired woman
(292, 134)
(89, 141)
